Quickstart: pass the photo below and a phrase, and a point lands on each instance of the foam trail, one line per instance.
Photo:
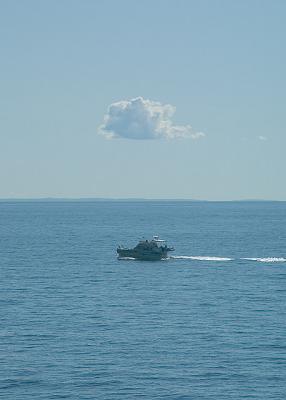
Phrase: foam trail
(126, 258)
(202, 258)
(266, 259)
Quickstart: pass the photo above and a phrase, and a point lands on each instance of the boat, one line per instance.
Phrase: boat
(147, 250)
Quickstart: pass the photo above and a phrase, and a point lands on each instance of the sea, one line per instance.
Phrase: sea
(207, 323)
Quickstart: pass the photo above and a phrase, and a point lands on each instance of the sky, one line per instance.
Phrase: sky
(153, 99)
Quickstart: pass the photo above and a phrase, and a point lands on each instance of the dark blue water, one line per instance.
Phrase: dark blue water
(76, 323)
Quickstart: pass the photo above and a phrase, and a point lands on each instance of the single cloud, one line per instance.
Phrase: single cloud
(143, 119)
(263, 138)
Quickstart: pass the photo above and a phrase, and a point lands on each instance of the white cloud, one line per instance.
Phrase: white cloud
(143, 119)
(264, 138)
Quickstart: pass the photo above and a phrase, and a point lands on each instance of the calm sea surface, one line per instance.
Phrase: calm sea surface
(76, 323)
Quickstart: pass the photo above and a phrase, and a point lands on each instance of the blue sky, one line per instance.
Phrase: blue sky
(221, 64)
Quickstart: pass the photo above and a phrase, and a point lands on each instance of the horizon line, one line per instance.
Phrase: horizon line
(51, 198)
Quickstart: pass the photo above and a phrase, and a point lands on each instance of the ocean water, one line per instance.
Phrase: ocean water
(77, 323)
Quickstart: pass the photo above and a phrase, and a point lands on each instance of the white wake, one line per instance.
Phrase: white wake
(209, 258)
(201, 258)
(265, 259)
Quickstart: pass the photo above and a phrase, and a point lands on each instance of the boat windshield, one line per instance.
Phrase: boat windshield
(159, 242)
